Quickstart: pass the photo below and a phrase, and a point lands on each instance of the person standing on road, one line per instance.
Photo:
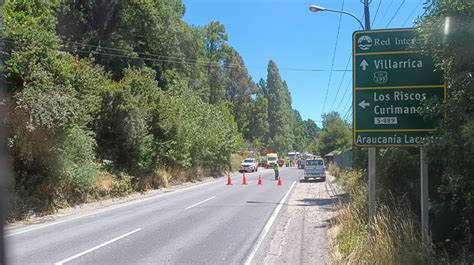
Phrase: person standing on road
(276, 168)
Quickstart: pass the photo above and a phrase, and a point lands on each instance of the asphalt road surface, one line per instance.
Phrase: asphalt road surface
(211, 223)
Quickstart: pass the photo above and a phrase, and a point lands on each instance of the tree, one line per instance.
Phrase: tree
(123, 129)
(280, 113)
(239, 89)
(305, 132)
(451, 155)
(335, 134)
(258, 121)
(215, 39)
(54, 101)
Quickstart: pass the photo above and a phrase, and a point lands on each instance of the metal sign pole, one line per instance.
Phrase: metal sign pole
(372, 161)
(424, 196)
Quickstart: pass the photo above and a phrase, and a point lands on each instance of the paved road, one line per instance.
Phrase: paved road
(207, 224)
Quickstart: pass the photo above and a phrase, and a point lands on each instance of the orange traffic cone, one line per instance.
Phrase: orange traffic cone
(260, 181)
(244, 180)
(279, 182)
(229, 180)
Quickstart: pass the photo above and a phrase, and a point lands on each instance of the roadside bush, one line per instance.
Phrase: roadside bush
(102, 184)
(159, 178)
(123, 127)
(193, 133)
(122, 186)
(396, 239)
(77, 156)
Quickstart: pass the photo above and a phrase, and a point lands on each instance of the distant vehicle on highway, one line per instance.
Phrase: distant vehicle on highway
(263, 162)
(302, 160)
(272, 159)
(315, 169)
(293, 155)
(249, 165)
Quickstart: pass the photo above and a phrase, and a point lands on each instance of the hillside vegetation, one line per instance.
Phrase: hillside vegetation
(110, 97)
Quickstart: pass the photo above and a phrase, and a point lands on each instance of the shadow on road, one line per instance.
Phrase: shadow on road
(266, 202)
(311, 180)
(316, 202)
(339, 198)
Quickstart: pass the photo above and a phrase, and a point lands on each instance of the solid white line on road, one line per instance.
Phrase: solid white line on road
(269, 223)
(194, 205)
(110, 208)
(96, 247)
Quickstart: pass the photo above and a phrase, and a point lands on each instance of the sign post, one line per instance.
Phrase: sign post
(372, 174)
(424, 197)
(390, 83)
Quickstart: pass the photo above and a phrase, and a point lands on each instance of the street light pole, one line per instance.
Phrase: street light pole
(366, 15)
(372, 152)
(314, 8)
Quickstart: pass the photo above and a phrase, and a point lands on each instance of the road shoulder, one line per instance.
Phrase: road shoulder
(107, 202)
(299, 235)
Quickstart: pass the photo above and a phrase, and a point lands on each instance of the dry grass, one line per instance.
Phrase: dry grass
(334, 169)
(104, 182)
(396, 239)
(163, 177)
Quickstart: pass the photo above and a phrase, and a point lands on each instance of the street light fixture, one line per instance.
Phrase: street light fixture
(314, 8)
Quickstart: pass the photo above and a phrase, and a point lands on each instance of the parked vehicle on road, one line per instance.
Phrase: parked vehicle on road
(315, 169)
(249, 165)
(272, 159)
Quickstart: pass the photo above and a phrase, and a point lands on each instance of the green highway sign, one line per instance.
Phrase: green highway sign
(386, 109)
(390, 70)
(391, 80)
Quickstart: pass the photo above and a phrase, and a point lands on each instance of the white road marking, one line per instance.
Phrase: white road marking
(109, 208)
(269, 223)
(201, 202)
(250, 181)
(96, 247)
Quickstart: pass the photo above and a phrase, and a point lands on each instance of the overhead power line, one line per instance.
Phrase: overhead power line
(387, 9)
(340, 84)
(346, 93)
(342, 80)
(411, 13)
(376, 12)
(396, 12)
(333, 58)
(348, 113)
(348, 105)
(172, 59)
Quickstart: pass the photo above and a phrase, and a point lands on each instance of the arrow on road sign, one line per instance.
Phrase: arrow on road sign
(364, 64)
(364, 104)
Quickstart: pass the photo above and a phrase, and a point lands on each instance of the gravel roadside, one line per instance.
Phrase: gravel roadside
(299, 235)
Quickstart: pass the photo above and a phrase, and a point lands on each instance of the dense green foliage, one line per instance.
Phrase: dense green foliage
(105, 96)
(335, 135)
(451, 155)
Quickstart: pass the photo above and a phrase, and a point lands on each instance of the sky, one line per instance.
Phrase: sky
(304, 45)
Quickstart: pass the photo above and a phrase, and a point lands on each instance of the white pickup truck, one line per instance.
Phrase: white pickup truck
(249, 165)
